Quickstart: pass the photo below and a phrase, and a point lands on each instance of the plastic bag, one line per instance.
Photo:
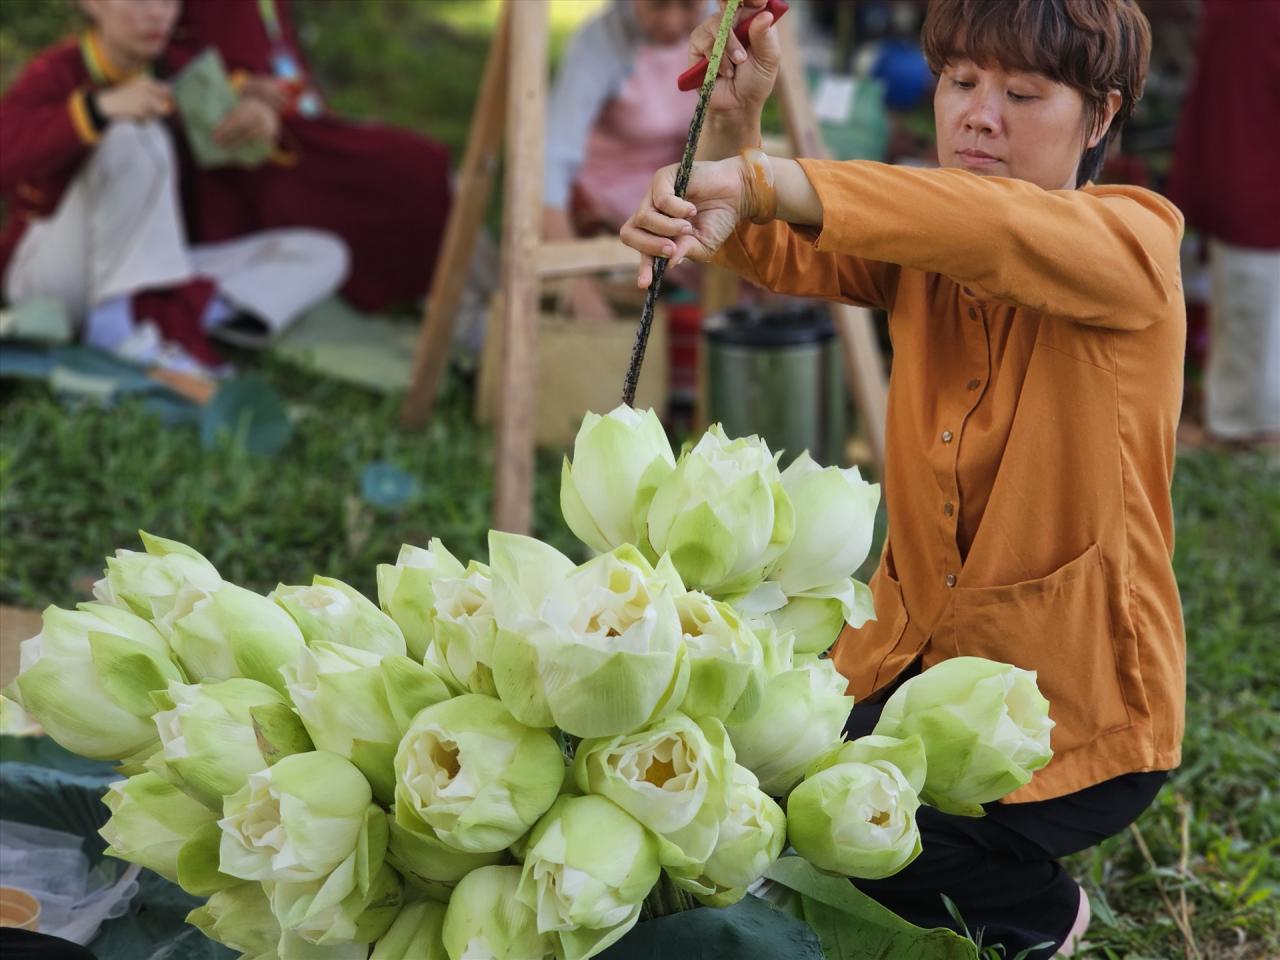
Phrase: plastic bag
(52, 866)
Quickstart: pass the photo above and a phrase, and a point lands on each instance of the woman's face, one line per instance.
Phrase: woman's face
(136, 29)
(1019, 125)
(667, 22)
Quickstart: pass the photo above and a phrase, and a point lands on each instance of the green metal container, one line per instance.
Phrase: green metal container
(775, 370)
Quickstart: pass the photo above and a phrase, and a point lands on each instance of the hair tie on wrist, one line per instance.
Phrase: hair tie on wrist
(766, 196)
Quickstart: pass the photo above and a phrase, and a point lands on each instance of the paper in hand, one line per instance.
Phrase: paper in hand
(204, 96)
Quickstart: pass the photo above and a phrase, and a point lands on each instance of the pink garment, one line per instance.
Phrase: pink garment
(643, 127)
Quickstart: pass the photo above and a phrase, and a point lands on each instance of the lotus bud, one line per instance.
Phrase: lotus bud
(588, 867)
(239, 917)
(232, 632)
(985, 727)
(464, 630)
(723, 515)
(835, 513)
(726, 662)
(151, 821)
(148, 583)
(857, 819)
(297, 820)
(417, 933)
(618, 461)
(87, 679)
(752, 834)
(213, 735)
(595, 650)
(332, 612)
(406, 590)
(473, 777)
(801, 717)
(673, 777)
(486, 921)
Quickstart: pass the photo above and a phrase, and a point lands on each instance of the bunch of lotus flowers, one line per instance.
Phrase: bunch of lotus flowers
(505, 759)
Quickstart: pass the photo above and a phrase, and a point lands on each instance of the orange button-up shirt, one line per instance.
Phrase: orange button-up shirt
(1038, 339)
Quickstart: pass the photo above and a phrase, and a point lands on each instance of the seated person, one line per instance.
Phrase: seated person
(94, 219)
(614, 116)
(384, 191)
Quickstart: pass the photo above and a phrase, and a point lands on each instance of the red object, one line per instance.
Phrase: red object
(40, 149)
(178, 313)
(692, 78)
(1226, 162)
(383, 190)
(684, 332)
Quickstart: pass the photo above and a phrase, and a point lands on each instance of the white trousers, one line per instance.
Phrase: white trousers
(119, 230)
(1242, 382)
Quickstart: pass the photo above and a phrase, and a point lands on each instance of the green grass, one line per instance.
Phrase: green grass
(75, 485)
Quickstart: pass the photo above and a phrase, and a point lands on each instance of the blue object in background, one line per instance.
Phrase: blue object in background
(905, 73)
(386, 486)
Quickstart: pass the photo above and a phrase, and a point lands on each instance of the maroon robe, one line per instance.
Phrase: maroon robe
(45, 138)
(383, 190)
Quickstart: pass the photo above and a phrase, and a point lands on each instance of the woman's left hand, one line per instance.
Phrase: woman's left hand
(717, 197)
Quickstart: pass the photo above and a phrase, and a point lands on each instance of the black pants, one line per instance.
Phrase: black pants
(23, 945)
(1002, 870)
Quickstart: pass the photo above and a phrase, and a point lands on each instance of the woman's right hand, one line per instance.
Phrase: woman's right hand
(140, 98)
(718, 195)
(746, 77)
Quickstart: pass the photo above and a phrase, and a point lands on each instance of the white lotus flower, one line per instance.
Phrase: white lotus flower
(618, 461)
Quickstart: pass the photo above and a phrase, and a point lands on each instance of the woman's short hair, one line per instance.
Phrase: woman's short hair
(1092, 46)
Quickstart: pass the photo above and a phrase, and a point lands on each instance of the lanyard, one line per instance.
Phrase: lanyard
(271, 20)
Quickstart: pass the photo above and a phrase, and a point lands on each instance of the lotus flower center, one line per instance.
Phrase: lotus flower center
(659, 772)
(260, 822)
(880, 818)
(445, 757)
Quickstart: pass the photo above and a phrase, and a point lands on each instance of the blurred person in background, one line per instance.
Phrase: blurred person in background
(94, 216)
(383, 190)
(1226, 179)
(614, 115)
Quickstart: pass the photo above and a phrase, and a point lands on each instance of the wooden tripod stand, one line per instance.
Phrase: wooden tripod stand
(512, 100)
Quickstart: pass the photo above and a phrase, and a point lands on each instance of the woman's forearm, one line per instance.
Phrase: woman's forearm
(724, 135)
(798, 202)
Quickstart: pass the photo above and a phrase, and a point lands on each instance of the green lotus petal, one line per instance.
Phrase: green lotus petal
(239, 917)
(907, 755)
(64, 697)
(834, 512)
(198, 872)
(425, 861)
(484, 910)
(405, 590)
(607, 859)
(985, 728)
(150, 822)
(501, 776)
(128, 672)
(857, 819)
(417, 933)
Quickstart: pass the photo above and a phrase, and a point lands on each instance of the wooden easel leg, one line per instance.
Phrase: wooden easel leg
(526, 104)
(475, 186)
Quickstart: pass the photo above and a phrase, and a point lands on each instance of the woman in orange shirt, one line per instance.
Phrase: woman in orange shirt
(1038, 331)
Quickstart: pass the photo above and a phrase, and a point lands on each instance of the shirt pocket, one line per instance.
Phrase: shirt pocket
(1060, 626)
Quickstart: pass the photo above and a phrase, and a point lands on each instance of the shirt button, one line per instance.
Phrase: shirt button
(948, 508)
(967, 291)
(973, 384)
(951, 579)
(947, 436)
